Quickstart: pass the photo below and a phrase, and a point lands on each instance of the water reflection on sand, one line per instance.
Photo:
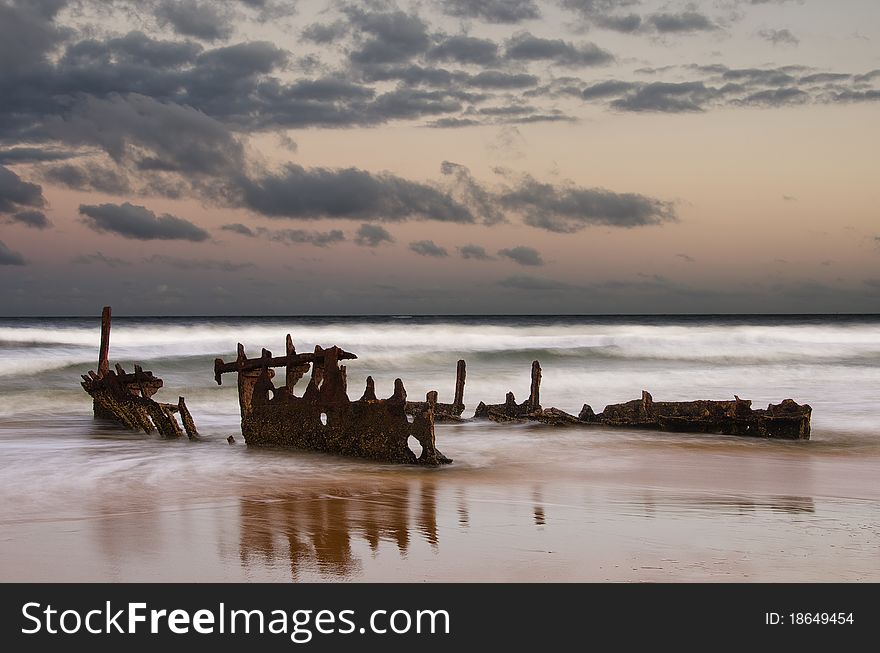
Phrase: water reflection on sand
(85, 502)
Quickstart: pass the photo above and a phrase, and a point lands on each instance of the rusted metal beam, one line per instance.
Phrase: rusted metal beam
(243, 364)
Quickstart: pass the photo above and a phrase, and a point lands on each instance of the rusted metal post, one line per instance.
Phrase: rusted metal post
(104, 351)
(460, 372)
(535, 392)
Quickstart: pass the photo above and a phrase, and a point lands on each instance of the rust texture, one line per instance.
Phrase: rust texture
(127, 397)
(446, 412)
(324, 418)
(510, 410)
(786, 420)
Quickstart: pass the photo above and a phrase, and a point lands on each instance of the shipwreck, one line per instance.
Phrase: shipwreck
(127, 398)
(324, 418)
(785, 420)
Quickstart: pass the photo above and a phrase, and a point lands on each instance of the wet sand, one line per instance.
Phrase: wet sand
(83, 501)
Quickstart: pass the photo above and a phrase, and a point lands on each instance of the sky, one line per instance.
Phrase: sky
(247, 157)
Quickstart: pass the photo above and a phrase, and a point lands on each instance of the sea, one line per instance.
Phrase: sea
(82, 499)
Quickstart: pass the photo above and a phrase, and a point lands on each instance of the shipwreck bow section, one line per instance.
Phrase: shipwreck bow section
(128, 398)
(324, 418)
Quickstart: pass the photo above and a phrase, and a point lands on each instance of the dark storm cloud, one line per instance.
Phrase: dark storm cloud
(867, 77)
(522, 255)
(475, 253)
(199, 18)
(134, 48)
(777, 97)
(529, 283)
(139, 223)
(492, 11)
(197, 264)
(428, 248)
(723, 86)
(89, 177)
(495, 79)
(323, 33)
(686, 21)
(372, 235)
(626, 23)
(147, 134)
(351, 193)
(34, 155)
(823, 78)
(412, 103)
(466, 50)
(671, 97)
(393, 36)
(569, 208)
(238, 228)
(779, 36)
(9, 257)
(28, 34)
(481, 201)
(763, 76)
(453, 123)
(15, 193)
(32, 219)
(302, 236)
(606, 89)
(526, 47)
(98, 257)
(857, 96)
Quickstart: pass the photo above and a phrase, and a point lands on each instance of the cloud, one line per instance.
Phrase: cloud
(492, 11)
(9, 257)
(197, 264)
(239, 228)
(670, 97)
(475, 253)
(32, 219)
(98, 257)
(776, 97)
(626, 24)
(372, 235)
(15, 193)
(33, 155)
(465, 50)
(203, 20)
(481, 201)
(605, 89)
(27, 34)
(568, 208)
(523, 255)
(147, 135)
(779, 36)
(350, 193)
(323, 33)
(428, 248)
(686, 258)
(526, 47)
(686, 21)
(394, 36)
(89, 176)
(139, 223)
(529, 283)
(494, 79)
(302, 236)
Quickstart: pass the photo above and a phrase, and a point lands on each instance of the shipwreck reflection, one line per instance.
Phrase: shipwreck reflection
(652, 503)
(320, 533)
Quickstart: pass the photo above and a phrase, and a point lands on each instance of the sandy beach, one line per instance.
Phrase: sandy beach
(539, 505)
